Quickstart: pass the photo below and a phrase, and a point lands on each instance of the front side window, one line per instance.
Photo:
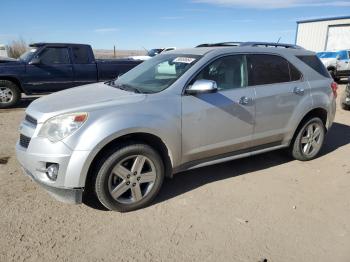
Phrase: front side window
(156, 74)
(228, 72)
(54, 55)
(267, 69)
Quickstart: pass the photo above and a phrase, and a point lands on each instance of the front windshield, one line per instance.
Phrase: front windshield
(154, 52)
(28, 55)
(327, 55)
(156, 74)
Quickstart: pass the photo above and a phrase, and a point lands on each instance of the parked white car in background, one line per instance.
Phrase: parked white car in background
(336, 62)
(151, 53)
(3, 51)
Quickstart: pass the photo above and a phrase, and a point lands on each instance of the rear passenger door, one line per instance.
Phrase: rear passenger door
(84, 66)
(279, 90)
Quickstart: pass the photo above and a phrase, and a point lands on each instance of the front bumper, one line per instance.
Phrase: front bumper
(65, 195)
(68, 187)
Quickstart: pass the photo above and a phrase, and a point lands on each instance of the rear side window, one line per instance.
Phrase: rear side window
(54, 55)
(315, 63)
(81, 55)
(267, 69)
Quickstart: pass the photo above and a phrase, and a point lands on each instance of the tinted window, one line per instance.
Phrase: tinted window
(81, 54)
(315, 63)
(295, 75)
(228, 72)
(267, 69)
(53, 55)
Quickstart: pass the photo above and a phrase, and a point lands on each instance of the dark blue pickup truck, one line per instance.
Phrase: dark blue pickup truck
(50, 67)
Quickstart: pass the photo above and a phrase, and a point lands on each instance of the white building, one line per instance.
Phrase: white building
(324, 34)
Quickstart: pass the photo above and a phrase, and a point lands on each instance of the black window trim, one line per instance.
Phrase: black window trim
(245, 54)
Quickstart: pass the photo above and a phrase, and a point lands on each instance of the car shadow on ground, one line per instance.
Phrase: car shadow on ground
(338, 136)
(25, 101)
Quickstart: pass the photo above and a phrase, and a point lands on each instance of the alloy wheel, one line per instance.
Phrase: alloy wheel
(6, 94)
(311, 140)
(132, 179)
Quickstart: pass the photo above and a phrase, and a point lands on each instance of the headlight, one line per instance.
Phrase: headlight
(59, 127)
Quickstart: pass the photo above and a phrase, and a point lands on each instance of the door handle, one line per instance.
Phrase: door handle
(245, 100)
(298, 90)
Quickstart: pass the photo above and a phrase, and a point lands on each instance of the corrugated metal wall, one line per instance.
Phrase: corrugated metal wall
(313, 35)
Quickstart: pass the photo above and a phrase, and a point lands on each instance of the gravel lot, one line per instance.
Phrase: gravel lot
(264, 207)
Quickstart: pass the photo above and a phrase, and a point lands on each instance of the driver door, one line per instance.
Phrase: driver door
(53, 73)
(220, 123)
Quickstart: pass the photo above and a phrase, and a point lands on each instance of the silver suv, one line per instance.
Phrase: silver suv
(180, 110)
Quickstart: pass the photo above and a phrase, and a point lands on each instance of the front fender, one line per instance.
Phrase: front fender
(100, 131)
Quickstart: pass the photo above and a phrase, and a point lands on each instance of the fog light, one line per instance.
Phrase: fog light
(52, 171)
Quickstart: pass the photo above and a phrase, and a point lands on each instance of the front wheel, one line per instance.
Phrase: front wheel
(309, 140)
(130, 178)
(10, 94)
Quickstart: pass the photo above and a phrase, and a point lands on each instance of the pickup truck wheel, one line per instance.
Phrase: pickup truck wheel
(309, 140)
(129, 178)
(10, 94)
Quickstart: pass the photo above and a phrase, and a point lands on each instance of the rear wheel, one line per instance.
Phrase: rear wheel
(309, 140)
(10, 94)
(129, 178)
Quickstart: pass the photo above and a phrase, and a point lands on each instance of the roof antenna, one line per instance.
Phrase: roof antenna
(279, 40)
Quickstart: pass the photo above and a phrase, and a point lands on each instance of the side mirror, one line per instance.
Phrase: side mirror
(202, 86)
(35, 61)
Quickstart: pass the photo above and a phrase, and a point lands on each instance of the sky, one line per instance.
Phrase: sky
(138, 24)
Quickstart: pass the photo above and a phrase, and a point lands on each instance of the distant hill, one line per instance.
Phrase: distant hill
(103, 53)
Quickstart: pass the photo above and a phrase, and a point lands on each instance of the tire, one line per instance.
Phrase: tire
(303, 136)
(345, 107)
(129, 178)
(10, 94)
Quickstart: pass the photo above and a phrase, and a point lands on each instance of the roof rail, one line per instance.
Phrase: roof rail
(220, 44)
(257, 44)
(268, 44)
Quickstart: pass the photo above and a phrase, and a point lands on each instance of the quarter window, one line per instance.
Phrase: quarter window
(228, 72)
(268, 69)
(315, 63)
(54, 55)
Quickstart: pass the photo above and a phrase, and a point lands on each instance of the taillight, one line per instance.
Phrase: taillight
(334, 87)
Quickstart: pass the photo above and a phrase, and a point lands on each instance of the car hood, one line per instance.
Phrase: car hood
(8, 60)
(81, 99)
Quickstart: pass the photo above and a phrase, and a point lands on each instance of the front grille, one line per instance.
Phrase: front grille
(31, 120)
(24, 141)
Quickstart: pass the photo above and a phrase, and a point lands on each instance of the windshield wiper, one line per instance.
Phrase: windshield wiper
(125, 87)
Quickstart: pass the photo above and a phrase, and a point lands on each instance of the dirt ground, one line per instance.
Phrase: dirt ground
(262, 208)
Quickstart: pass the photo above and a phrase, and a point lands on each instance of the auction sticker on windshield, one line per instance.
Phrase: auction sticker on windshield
(185, 60)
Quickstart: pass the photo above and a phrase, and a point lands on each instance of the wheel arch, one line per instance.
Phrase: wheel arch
(14, 80)
(315, 112)
(137, 137)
